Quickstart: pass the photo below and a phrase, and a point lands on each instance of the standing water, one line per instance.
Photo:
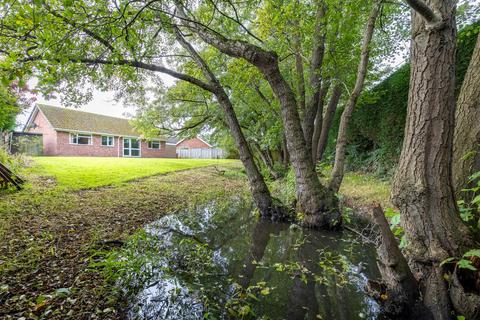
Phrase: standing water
(220, 262)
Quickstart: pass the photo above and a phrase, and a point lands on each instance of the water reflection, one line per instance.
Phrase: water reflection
(202, 253)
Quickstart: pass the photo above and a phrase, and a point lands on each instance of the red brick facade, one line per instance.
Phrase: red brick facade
(193, 143)
(57, 143)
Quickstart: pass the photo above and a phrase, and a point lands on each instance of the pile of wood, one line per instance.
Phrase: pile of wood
(8, 178)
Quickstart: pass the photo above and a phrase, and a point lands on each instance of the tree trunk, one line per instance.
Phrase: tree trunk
(318, 53)
(466, 140)
(267, 161)
(401, 287)
(285, 155)
(318, 123)
(339, 165)
(260, 193)
(422, 187)
(318, 204)
(328, 120)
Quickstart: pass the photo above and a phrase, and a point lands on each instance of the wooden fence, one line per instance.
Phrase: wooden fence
(201, 153)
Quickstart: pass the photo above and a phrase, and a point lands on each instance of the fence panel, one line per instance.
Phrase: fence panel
(201, 153)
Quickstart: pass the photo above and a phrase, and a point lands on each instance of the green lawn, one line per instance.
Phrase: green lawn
(90, 172)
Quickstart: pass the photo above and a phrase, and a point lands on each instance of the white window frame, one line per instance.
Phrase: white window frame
(84, 135)
(157, 141)
(107, 145)
(130, 147)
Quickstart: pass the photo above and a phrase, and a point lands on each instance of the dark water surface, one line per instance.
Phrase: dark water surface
(220, 261)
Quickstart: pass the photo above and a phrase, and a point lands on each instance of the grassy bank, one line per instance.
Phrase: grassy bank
(364, 189)
(48, 234)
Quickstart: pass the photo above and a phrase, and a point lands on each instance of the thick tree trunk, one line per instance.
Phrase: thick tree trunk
(401, 287)
(466, 141)
(328, 120)
(318, 203)
(318, 123)
(422, 187)
(339, 165)
(260, 192)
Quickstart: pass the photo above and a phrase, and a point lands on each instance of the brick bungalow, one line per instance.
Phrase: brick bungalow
(69, 132)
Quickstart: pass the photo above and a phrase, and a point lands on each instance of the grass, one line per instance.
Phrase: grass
(88, 172)
(48, 233)
(365, 189)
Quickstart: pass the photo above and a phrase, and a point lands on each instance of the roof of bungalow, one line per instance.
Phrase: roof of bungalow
(67, 119)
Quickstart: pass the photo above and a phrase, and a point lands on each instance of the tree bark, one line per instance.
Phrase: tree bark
(260, 192)
(422, 187)
(318, 203)
(466, 140)
(402, 290)
(318, 123)
(328, 120)
(318, 53)
(339, 165)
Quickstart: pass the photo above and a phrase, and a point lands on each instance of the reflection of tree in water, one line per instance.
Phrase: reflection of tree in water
(303, 294)
(262, 232)
(204, 252)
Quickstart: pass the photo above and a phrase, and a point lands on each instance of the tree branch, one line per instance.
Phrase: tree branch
(424, 10)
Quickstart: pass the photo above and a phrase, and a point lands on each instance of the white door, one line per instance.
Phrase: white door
(131, 147)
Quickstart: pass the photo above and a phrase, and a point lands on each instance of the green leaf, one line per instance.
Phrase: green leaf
(466, 264)
(472, 253)
(476, 199)
(447, 261)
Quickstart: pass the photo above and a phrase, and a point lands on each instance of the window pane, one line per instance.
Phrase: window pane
(107, 141)
(135, 152)
(83, 140)
(126, 143)
(135, 144)
(126, 152)
(73, 138)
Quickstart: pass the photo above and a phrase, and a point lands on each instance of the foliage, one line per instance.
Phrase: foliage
(377, 126)
(284, 189)
(465, 261)
(470, 209)
(85, 173)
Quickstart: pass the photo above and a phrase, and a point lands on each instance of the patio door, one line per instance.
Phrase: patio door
(131, 147)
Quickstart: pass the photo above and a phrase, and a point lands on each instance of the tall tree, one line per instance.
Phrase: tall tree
(339, 165)
(316, 201)
(422, 187)
(466, 141)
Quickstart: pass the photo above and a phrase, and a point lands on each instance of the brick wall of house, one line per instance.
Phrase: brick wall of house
(165, 151)
(64, 148)
(192, 143)
(49, 134)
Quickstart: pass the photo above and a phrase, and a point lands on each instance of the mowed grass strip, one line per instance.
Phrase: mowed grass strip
(76, 173)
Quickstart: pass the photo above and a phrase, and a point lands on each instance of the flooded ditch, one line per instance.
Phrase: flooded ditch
(219, 262)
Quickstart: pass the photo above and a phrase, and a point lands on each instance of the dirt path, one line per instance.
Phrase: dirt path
(48, 237)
